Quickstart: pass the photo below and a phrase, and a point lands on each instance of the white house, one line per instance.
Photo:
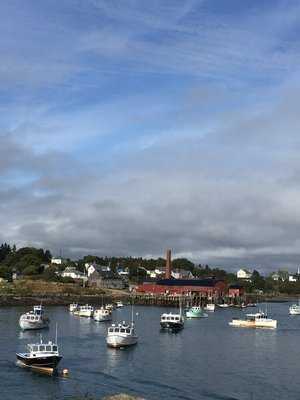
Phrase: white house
(243, 274)
(181, 274)
(71, 272)
(91, 268)
(295, 277)
(57, 261)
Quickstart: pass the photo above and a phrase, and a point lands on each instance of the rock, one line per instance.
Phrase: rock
(122, 396)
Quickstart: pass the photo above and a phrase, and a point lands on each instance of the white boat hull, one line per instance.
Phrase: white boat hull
(294, 312)
(267, 323)
(32, 325)
(294, 309)
(86, 313)
(121, 341)
(102, 318)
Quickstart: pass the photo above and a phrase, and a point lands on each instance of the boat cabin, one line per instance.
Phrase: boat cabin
(170, 317)
(38, 310)
(49, 348)
(86, 308)
(125, 329)
(256, 316)
(31, 317)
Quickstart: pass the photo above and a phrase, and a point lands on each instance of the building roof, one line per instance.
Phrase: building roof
(188, 282)
(245, 270)
(104, 274)
(236, 286)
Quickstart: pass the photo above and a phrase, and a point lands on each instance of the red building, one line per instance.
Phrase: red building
(236, 291)
(203, 287)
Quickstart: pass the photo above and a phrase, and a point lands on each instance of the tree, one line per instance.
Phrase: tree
(258, 281)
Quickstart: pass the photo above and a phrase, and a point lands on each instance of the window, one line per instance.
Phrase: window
(48, 348)
(42, 348)
(123, 330)
(117, 330)
(34, 348)
(54, 348)
(110, 330)
(127, 330)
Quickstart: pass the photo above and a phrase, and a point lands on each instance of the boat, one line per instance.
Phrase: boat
(42, 355)
(122, 334)
(251, 305)
(195, 312)
(85, 311)
(34, 319)
(257, 320)
(102, 314)
(295, 309)
(210, 307)
(109, 307)
(242, 305)
(119, 304)
(170, 321)
(224, 305)
(73, 307)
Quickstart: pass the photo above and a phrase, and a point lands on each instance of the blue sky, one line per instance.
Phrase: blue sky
(130, 126)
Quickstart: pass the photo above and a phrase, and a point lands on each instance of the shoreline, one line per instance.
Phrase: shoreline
(7, 300)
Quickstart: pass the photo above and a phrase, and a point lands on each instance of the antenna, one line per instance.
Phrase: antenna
(56, 333)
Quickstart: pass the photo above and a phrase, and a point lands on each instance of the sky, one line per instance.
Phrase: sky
(129, 127)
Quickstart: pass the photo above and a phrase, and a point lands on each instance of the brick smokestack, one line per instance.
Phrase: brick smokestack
(168, 264)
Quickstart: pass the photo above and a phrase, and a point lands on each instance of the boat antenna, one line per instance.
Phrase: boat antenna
(56, 333)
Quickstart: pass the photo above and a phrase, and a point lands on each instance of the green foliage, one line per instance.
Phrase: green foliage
(183, 263)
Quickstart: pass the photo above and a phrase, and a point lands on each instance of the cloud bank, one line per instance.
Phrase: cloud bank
(126, 130)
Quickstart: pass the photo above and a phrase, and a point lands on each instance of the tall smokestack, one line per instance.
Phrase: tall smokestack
(168, 264)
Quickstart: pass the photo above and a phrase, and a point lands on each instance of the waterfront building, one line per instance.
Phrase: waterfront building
(207, 287)
(236, 291)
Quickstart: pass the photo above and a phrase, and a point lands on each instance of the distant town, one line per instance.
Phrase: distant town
(145, 276)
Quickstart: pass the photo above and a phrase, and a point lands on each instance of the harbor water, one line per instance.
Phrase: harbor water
(208, 359)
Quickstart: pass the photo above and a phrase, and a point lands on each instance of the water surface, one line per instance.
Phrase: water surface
(207, 360)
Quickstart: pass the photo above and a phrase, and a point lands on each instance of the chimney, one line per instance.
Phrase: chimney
(168, 264)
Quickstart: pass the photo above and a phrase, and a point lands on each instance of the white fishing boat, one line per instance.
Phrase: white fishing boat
(122, 334)
(85, 311)
(102, 314)
(119, 304)
(73, 307)
(257, 320)
(295, 309)
(210, 307)
(109, 307)
(34, 319)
